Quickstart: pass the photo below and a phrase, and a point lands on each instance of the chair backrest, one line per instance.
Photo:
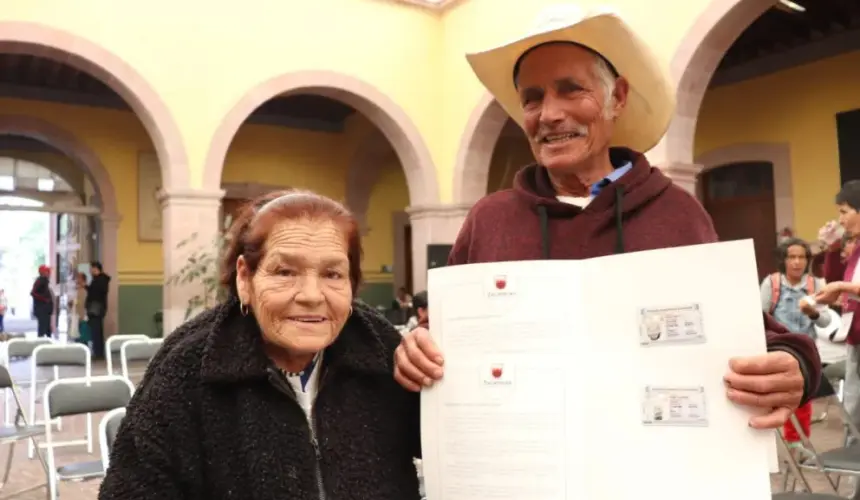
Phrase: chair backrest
(108, 429)
(23, 348)
(140, 350)
(115, 342)
(5, 378)
(61, 355)
(77, 396)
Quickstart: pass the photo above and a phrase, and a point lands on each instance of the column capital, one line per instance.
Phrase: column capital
(685, 175)
(417, 212)
(190, 197)
(110, 220)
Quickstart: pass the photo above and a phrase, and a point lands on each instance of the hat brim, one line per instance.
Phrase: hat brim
(650, 102)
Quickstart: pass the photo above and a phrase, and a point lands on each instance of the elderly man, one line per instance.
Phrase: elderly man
(590, 98)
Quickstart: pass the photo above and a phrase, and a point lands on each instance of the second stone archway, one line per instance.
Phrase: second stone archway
(78, 152)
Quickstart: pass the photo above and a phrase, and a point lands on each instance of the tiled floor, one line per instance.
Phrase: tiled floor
(27, 472)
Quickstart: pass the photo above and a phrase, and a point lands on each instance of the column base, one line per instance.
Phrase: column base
(432, 224)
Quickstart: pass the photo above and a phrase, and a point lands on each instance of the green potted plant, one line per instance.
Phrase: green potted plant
(201, 271)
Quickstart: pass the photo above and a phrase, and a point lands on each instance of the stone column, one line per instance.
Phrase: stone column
(684, 175)
(109, 230)
(432, 224)
(191, 216)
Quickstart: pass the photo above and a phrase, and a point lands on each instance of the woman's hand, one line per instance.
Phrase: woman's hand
(417, 360)
(831, 292)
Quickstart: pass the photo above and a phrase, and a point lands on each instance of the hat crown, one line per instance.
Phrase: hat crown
(560, 16)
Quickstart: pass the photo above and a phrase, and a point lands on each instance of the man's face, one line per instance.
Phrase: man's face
(849, 219)
(568, 116)
(94, 271)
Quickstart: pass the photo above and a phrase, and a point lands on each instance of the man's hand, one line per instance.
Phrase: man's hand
(772, 381)
(417, 360)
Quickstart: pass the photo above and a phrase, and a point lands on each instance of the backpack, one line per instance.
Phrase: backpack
(775, 288)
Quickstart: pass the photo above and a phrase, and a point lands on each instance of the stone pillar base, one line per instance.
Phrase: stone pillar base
(191, 223)
(432, 224)
(684, 175)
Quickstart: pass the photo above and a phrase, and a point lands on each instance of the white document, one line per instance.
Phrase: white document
(562, 377)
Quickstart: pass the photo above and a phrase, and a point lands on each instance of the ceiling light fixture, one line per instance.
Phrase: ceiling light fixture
(793, 5)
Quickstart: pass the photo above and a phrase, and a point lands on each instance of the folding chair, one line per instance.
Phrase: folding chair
(57, 355)
(108, 428)
(10, 435)
(18, 348)
(842, 461)
(138, 350)
(80, 396)
(113, 345)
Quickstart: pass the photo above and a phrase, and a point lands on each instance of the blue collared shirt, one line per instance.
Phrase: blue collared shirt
(616, 174)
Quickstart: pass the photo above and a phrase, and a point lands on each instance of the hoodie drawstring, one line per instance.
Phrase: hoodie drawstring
(544, 231)
(619, 224)
(619, 219)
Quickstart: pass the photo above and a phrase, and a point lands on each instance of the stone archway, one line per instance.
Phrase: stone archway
(475, 153)
(777, 154)
(78, 152)
(389, 118)
(692, 67)
(84, 55)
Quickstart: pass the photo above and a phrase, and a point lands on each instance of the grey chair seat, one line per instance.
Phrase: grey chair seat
(805, 496)
(835, 371)
(9, 434)
(843, 459)
(81, 471)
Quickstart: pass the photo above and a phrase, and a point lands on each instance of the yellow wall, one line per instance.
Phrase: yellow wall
(509, 155)
(796, 106)
(202, 63)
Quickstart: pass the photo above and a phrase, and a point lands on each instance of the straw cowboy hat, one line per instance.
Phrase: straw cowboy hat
(651, 101)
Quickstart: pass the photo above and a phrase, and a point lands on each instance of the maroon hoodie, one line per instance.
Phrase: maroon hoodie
(642, 210)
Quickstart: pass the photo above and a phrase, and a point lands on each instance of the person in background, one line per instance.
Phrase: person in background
(43, 301)
(80, 311)
(96, 307)
(4, 305)
(422, 314)
(845, 289)
(782, 296)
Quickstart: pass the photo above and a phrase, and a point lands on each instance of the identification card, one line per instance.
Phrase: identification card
(671, 325)
(682, 406)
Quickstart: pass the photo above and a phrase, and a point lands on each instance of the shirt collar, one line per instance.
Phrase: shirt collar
(613, 176)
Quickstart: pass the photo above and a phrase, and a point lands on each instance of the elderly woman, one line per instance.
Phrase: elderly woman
(285, 390)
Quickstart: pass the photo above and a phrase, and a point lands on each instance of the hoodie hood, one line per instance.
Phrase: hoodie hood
(638, 186)
(633, 190)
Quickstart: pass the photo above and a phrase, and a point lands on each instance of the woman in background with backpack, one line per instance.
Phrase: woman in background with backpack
(782, 295)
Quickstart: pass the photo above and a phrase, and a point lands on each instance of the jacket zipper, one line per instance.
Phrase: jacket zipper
(282, 385)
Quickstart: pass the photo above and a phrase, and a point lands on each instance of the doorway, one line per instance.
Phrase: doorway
(740, 199)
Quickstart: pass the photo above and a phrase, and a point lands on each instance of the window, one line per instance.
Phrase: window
(46, 184)
(7, 183)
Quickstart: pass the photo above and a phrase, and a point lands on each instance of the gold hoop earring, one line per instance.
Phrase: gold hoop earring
(243, 308)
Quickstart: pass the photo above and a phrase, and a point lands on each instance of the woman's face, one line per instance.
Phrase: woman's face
(796, 262)
(300, 294)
